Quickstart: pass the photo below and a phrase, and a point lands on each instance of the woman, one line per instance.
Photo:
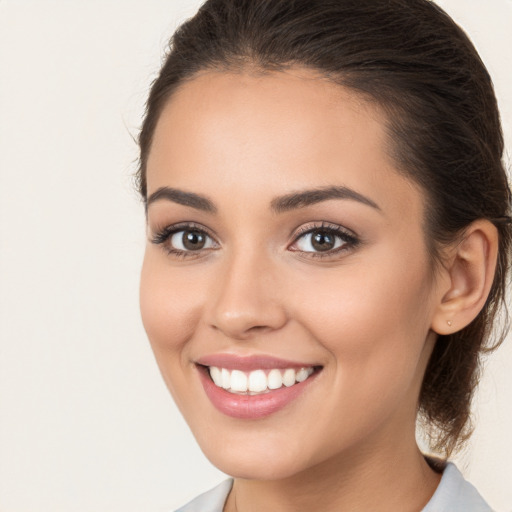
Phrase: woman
(328, 246)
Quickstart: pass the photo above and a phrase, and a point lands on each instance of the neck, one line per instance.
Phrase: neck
(399, 479)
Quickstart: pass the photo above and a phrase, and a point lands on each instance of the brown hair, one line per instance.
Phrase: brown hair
(410, 58)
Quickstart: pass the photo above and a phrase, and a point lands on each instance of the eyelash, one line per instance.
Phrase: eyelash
(349, 239)
(162, 236)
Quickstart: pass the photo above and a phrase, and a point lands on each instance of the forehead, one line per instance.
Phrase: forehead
(269, 133)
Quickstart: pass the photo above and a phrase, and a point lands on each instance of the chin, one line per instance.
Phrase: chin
(261, 468)
(254, 462)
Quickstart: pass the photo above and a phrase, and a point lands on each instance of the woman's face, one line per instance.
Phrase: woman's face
(283, 244)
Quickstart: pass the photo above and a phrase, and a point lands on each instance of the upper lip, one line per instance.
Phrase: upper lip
(249, 363)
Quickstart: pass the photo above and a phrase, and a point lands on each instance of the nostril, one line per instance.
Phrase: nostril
(259, 328)
(242, 333)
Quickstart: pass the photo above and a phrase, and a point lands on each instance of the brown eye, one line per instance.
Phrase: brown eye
(193, 240)
(322, 241)
(327, 240)
(188, 240)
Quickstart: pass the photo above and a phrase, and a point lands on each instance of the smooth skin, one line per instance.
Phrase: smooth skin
(367, 310)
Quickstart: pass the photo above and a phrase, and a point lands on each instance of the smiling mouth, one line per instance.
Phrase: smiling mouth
(260, 381)
(253, 387)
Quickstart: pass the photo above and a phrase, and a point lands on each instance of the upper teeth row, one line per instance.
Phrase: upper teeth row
(257, 381)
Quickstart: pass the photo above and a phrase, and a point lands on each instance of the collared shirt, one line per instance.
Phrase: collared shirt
(453, 494)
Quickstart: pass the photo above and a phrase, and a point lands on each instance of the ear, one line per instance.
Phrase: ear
(468, 275)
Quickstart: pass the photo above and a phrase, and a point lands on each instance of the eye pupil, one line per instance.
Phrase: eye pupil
(322, 241)
(193, 240)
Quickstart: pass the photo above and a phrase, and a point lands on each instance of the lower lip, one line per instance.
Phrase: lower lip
(251, 407)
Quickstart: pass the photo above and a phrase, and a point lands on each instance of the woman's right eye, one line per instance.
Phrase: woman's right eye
(190, 240)
(184, 241)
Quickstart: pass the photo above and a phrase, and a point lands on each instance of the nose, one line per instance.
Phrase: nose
(246, 300)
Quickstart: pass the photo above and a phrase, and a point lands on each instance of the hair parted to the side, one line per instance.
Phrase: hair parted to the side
(412, 60)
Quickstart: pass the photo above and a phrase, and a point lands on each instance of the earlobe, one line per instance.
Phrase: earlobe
(469, 273)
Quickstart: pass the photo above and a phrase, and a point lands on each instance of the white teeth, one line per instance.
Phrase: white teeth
(302, 375)
(226, 378)
(216, 376)
(238, 381)
(257, 381)
(289, 377)
(275, 379)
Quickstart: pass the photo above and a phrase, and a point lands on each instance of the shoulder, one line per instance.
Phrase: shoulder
(210, 501)
(455, 494)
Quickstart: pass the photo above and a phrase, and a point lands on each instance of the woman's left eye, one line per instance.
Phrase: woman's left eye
(323, 240)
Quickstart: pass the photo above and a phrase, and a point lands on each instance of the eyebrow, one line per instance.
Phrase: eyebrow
(293, 201)
(184, 198)
(305, 198)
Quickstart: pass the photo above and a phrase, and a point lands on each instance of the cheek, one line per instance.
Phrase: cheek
(169, 303)
(374, 326)
(373, 321)
(386, 288)
(170, 308)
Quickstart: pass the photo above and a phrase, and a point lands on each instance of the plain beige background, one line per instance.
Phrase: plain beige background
(85, 421)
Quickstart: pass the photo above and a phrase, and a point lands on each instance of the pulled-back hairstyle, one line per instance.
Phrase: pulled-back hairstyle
(409, 58)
